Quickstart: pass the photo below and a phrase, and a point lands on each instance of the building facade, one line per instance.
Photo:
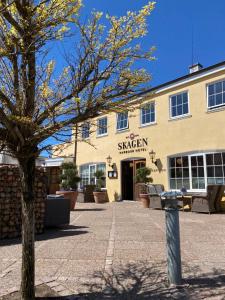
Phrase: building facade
(178, 131)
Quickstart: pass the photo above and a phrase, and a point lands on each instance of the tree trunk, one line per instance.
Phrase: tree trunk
(27, 173)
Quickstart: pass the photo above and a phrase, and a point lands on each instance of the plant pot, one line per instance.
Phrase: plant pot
(100, 197)
(145, 200)
(72, 195)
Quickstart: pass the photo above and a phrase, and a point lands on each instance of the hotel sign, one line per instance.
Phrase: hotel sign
(133, 144)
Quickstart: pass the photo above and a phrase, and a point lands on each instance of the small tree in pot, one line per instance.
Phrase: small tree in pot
(143, 176)
(99, 195)
(69, 182)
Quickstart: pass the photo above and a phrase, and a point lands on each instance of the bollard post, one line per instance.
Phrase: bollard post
(173, 242)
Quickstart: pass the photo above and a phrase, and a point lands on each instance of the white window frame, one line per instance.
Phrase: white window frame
(102, 134)
(190, 173)
(211, 108)
(85, 138)
(124, 128)
(95, 167)
(141, 113)
(189, 155)
(170, 105)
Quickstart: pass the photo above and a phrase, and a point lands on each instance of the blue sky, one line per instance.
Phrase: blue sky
(170, 30)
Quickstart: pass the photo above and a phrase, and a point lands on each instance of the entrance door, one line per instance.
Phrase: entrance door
(129, 169)
(127, 180)
(137, 165)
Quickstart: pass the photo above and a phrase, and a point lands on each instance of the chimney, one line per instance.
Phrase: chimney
(194, 68)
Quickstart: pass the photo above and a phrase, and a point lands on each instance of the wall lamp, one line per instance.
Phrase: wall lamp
(44, 166)
(109, 160)
(152, 157)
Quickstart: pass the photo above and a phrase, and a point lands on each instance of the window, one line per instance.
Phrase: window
(179, 173)
(215, 164)
(102, 126)
(122, 121)
(148, 114)
(87, 173)
(179, 105)
(85, 131)
(216, 94)
(196, 171)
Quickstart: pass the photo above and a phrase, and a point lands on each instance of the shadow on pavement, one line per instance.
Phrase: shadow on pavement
(50, 233)
(144, 280)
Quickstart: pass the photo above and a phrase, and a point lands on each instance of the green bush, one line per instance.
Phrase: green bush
(69, 177)
(143, 175)
(100, 175)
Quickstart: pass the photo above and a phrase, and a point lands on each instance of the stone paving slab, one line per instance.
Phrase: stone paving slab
(117, 251)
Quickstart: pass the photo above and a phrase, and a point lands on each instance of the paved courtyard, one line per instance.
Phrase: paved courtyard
(117, 251)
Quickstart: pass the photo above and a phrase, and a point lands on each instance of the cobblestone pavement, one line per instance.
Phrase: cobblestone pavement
(117, 251)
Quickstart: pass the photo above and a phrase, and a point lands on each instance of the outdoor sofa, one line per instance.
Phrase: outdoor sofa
(210, 201)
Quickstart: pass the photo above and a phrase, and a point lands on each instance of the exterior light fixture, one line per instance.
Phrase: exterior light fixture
(152, 157)
(109, 160)
(44, 166)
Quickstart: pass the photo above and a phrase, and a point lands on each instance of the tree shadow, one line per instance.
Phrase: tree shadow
(145, 280)
(50, 233)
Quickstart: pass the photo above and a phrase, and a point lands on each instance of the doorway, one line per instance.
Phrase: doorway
(128, 174)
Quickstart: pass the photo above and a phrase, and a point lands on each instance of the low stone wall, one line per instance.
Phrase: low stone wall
(10, 201)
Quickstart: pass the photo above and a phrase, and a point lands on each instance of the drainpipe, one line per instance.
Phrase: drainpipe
(75, 146)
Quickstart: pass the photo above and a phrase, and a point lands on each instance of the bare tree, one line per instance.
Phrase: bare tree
(35, 104)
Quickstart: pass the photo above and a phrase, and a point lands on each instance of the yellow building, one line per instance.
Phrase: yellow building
(181, 121)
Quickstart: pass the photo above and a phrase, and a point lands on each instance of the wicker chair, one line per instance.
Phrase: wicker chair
(219, 196)
(154, 191)
(206, 202)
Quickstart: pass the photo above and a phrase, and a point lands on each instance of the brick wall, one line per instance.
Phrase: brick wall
(10, 202)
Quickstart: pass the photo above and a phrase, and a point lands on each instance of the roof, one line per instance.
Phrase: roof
(183, 79)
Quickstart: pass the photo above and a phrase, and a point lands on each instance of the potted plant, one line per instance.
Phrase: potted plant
(69, 180)
(143, 176)
(99, 195)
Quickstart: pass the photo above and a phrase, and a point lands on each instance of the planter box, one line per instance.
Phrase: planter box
(145, 200)
(100, 197)
(72, 195)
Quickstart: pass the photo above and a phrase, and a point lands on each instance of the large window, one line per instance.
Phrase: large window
(179, 172)
(196, 171)
(85, 130)
(87, 173)
(102, 126)
(216, 94)
(148, 114)
(179, 105)
(122, 121)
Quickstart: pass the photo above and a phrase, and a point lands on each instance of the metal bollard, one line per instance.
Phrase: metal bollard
(173, 242)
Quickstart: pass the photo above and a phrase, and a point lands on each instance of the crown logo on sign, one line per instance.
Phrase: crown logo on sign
(132, 136)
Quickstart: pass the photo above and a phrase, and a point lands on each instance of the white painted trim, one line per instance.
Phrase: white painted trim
(215, 107)
(140, 114)
(190, 154)
(125, 128)
(87, 123)
(103, 134)
(188, 80)
(170, 107)
(53, 162)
